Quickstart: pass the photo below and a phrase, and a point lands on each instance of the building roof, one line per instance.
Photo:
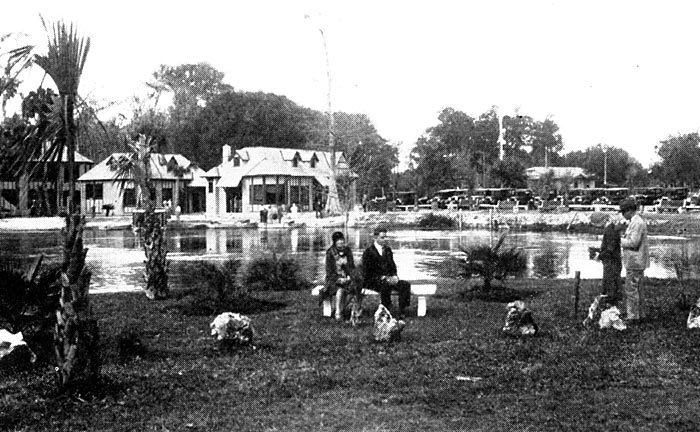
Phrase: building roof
(535, 173)
(64, 157)
(162, 168)
(261, 161)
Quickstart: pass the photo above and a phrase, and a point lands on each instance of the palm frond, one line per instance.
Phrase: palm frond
(66, 56)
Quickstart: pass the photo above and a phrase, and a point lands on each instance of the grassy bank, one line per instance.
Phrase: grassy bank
(311, 373)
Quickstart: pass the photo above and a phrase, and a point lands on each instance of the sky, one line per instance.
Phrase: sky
(622, 73)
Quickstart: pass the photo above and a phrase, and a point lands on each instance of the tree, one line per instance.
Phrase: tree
(622, 168)
(136, 168)
(680, 159)
(17, 60)
(509, 173)
(369, 155)
(441, 156)
(76, 335)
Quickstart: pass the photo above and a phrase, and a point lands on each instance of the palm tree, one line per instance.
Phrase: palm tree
(76, 333)
(136, 168)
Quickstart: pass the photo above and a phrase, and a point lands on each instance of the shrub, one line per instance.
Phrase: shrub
(28, 305)
(275, 273)
(490, 263)
(435, 221)
(211, 287)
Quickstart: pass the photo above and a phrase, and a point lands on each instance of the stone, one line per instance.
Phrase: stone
(232, 328)
(604, 314)
(519, 320)
(14, 351)
(694, 316)
(386, 327)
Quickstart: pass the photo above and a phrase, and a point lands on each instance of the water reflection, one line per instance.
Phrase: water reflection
(117, 256)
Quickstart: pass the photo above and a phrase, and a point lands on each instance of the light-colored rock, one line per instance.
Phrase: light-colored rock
(386, 327)
(232, 328)
(606, 315)
(519, 320)
(610, 318)
(14, 351)
(694, 316)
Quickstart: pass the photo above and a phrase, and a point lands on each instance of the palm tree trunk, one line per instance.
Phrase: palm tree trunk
(76, 335)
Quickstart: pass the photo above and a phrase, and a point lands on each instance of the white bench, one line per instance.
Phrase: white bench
(420, 290)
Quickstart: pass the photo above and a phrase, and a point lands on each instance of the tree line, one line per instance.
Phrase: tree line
(463, 151)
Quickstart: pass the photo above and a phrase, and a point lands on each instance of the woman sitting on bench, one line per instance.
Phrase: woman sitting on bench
(339, 266)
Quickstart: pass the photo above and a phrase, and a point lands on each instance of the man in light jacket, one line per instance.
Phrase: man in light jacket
(635, 257)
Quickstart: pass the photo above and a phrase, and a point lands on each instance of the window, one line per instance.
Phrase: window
(211, 186)
(167, 194)
(295, 162)
(236, 161)
(313, 161)
(93, 191)
(256, 192)
(129, 198)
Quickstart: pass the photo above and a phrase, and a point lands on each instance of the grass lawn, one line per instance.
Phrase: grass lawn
(311, 373)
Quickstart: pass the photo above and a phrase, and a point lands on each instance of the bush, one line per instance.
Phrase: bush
(434, 221)
(275, 273)
(211, 287)
(490, 263)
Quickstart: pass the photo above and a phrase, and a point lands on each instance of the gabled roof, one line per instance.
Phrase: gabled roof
(64, 157)
(162, 168)
(276, 161)
(535, 173)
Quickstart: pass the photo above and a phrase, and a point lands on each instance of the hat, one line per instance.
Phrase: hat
(628, 204)
(337, 236)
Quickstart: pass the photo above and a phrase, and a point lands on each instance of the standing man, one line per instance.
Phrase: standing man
(635, 256)
(380, 272)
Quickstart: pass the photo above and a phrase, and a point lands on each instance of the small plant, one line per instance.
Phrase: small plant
(435, 221)
(275, 273)
(212, 287)
(490, 263)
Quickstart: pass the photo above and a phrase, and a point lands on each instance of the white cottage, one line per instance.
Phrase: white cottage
(176, 180)
(251, 178)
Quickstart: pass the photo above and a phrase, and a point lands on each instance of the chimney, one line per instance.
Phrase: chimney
(226, 153)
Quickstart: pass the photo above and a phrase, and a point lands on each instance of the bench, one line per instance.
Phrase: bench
(420, 290)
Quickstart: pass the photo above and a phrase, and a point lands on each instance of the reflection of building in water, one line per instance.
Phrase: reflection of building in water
(216, 241)
(294, 239)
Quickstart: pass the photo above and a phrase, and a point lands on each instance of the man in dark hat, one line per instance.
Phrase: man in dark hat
(380, 272)
(609, 254)
(635, 257)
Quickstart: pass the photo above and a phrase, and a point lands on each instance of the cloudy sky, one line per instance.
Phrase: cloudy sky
(623, 73)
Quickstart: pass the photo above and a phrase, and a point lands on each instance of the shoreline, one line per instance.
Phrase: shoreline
(529, 221)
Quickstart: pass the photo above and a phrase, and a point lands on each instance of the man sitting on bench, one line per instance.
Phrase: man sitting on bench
(380, 272)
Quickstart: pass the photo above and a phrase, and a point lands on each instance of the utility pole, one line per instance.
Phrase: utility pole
(332, 204)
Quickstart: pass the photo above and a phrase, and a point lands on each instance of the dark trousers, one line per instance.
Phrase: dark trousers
(404, 290)
(612, 282)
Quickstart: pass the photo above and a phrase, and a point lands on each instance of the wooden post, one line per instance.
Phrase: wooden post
(577, 283)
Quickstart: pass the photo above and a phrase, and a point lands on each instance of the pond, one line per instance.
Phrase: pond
(116, 257)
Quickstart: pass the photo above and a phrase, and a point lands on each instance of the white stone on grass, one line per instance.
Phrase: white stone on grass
(519, 320)
(232, 329)
(14, 351)
(386, 327)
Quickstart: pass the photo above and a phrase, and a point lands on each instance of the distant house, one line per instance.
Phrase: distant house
(251, 178)
(576, 177)
(100, 187)
(43, 187)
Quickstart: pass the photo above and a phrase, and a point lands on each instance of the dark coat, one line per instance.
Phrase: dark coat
(610, 246)
(375, 265)
(332, 269)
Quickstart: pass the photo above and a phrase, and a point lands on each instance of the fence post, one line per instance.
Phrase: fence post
(577, 282)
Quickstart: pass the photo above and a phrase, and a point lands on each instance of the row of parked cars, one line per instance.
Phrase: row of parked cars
(480, 198)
